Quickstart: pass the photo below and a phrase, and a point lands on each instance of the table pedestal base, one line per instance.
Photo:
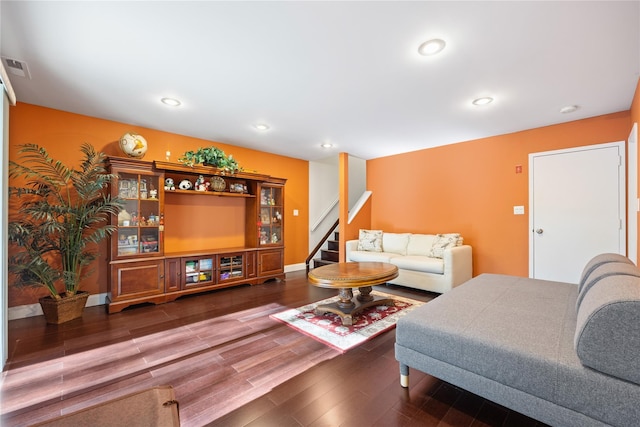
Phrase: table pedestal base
(346, 307)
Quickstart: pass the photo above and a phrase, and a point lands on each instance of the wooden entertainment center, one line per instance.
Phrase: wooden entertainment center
(142, 270)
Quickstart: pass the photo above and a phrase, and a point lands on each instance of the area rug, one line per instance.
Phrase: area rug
(328, 328)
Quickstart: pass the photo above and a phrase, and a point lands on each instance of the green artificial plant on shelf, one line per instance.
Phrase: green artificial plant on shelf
(211, 156)
(61, 213)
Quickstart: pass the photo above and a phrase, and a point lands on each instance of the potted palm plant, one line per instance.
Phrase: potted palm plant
(60, 215)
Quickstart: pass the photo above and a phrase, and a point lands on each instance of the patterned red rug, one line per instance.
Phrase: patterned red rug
(328, 328)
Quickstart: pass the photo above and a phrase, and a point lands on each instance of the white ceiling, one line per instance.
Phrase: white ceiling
(347, 73)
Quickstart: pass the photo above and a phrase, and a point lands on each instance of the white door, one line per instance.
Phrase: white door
(632, 195)
(576, 209)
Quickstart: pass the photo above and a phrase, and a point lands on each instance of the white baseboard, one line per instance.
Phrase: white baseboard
(295, 267)
(30, 310)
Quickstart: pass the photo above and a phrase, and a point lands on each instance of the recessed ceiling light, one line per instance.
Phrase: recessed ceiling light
(569, 109)
(326, 145)
(262, 126)
(431, 47)
(171, 101)
(482, 101)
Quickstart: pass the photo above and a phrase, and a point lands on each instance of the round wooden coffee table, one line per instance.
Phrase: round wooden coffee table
(345, 276)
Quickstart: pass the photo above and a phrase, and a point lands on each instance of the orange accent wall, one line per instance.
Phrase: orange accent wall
(201, 223)
(471, 188)
(361, 221)
(62, 133)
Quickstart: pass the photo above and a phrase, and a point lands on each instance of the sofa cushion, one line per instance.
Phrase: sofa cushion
(419, 263)
(442, 242)
(599, 260)
(367, 256)
(370, 240)
(506, 328)
(606, 270)
(395, 243)
(420, 244)
(607, 336)
(518, 332)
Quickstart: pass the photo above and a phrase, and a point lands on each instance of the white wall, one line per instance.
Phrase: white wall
(324, 180)
(323, 192)
(357, 179)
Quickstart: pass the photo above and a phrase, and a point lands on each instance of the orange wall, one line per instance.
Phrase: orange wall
(471, 188)
(62, 133)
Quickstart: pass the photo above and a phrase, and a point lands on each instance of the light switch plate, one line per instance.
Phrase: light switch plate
(518, 210)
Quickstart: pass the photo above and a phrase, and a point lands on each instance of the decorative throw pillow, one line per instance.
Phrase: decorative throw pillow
(442, 242)
(370, 240)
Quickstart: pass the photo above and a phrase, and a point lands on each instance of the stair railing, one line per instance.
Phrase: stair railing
(324, 214)
(319, 245)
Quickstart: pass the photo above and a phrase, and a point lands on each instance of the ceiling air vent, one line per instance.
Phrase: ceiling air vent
(16, 67)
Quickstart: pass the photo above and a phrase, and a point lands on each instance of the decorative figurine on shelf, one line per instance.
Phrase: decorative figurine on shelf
(200, 184)
(168, 184)
(153, 194)
(278, 216)
(124, 218)
(263, 237)
(274, 238)
(185, 184)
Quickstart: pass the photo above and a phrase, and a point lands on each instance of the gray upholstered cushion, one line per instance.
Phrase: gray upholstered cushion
(518, 332)
(606, 270)
(607, 334)
(599, 260)
(503, 327)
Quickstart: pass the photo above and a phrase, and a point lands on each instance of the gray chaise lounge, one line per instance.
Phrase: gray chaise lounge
(564, 354)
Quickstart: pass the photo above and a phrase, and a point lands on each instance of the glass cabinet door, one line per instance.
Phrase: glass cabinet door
(271, 213)
(140, 221)
(231, 267)
(198, 271)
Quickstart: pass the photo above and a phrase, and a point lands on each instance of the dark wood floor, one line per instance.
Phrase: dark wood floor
(359, 388)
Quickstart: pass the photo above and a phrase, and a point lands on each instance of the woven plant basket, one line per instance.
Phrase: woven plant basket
(64, 310)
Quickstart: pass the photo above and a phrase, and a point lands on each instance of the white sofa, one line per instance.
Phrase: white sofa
(424, 261)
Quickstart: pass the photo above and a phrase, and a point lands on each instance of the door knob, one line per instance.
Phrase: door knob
(539, 231)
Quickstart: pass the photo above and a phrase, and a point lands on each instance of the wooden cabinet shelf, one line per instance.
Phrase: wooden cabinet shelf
(208, 193)
(143, 270)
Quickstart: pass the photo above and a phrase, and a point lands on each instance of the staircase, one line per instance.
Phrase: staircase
(331, 254)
